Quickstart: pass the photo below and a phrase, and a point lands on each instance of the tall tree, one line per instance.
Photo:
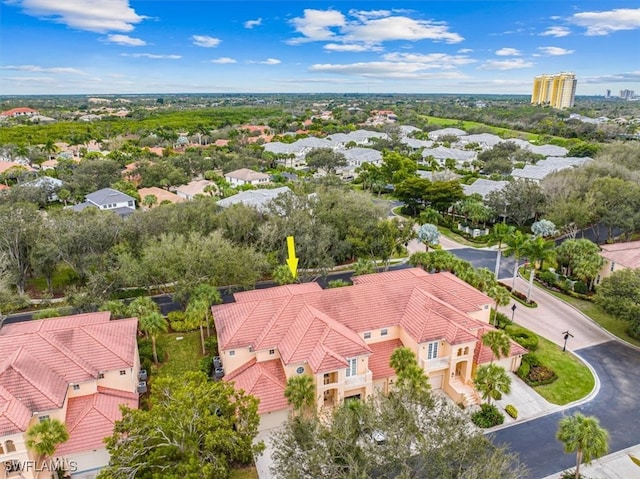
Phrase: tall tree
(515, 247)
(498, 342)
(492, 382)
(300, 393)
(45, 436)
(428, 234)
(326, 159)
(619, 295)
(152, 324)
(584, 436)
(537, 250)
(196, 428)
(498, 236)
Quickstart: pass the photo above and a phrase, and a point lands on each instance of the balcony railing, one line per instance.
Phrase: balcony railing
(435, 364)
(358, 380)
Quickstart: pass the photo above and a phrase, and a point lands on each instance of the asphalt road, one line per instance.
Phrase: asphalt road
(616, 406)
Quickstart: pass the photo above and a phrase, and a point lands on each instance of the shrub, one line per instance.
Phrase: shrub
(523, 370)
(145, 350)
(523, 337)
(211, 345)
(338, 283)
(500, 320)
(46, 313)
(178, 323)
(206, 364)
(547, 277)
(540, 376)
(531, 359)
(511, 410)
(580, 287)
(488, 416)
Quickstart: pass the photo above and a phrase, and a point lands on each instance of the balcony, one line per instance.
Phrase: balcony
(435, 364)
(330, 378)
(359, 380)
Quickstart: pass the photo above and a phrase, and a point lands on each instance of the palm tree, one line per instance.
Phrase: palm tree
(45, 436)
(150, 200)
(515, 246)
(300, 393)
(492, 381)
(537, 250)
(498, 236)
(500, 294)
(49, 148)
(196, 311)
(584, 436)
(152, 324)
(498, 342)
(142, 306)
(401, 359)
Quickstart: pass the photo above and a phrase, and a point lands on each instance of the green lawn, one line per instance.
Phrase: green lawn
(452, 235)
(182, 355)
(574, 381)
(604, 319)
(244, 473)
(63, 277)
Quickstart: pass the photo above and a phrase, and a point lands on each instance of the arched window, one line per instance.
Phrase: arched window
(466, 350)
(459, 351)
(1, 450)
(10, 446)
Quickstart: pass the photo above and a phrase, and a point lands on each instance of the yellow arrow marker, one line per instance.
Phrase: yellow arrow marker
(292, 261)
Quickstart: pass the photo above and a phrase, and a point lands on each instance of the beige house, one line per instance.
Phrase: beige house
(344, 337)
(194, 188)
(245, 176)
(160, 194)
(77, 369)
(619, 256)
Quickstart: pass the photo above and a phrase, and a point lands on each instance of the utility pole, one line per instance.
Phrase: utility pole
(567, 335)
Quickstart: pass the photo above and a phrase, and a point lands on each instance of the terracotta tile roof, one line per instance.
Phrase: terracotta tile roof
(39, 359)
(91, 418)
(14, 416)
(625, 254)
(265, 380)
(297, 318)
(160, 194)
(381, 357)
(7, 165)
(246, 174)
(19, 111)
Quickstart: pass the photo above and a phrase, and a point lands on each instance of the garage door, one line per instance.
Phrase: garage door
(273, 419)
(436, 381)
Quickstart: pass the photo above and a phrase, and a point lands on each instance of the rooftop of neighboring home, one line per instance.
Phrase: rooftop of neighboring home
(437, 134)
(160, 194)
(195, 187)
(19, 112)
(44, 182)
(547, 150)
(245, 174)
(362, 155)
(254, 198)
(7, 165)
(415, 143)
(623, 254)
(443, 153)
(107, 196)
(483, 139)
(544, 168)
(483, 187)
(40, 359)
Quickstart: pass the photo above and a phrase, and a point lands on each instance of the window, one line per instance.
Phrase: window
(232, 353)
(122, 372)
(459, 352)
(101, 376)
(300, 369)
(1, 450)
(352, 369)
(432, 350)
(466, 350)
(130, 203)
(76, 387)
(272, 351)
(384, 332)
(367, 335)
(10, 446)
(43, 418)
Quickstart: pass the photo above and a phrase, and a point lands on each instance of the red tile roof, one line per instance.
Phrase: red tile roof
(19, 111)
(39, 359)
(428, 306)
(91, 418)
(625, 254)
(379, 362)
(14, 416)
(484, 355)
(265, 380)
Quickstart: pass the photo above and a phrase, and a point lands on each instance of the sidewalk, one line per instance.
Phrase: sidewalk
(614, 466)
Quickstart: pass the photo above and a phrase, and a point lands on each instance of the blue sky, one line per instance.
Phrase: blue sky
(205, 46)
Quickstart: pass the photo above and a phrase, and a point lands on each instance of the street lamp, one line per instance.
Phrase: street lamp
(567, 335)
(513, 311)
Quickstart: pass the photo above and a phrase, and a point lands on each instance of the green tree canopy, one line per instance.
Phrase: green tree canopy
(584, 436)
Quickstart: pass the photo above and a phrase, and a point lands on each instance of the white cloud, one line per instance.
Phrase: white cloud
(400, 28)
(39, 69)
(465, 50)
(205, 41)
(224, 60)
(508, 52)
(152, 56)
(253, 23)
(606, 22)
(316, 25)
(125, 40)
(510, 64)
(392, 70)
(555, 51)
(628, 77)
(430, 60)
(556, 32)
(93, 15)
(367, 27)
(271, 61)
(351, 47)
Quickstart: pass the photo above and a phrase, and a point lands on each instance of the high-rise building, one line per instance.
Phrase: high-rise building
(626, 94)
(558, 90)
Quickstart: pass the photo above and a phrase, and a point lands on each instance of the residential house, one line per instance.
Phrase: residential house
(245, 176)
(483, 187)
(108, 199)
(618, 256)
(47, 183)
(435, 135)
(544, 168)
(161, 195)
(343, 337)
(194, 188)
(22, 111)
(77, 369)
(258, 199)
(442, 154)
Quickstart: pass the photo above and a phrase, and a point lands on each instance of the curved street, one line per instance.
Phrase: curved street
(616, 365)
